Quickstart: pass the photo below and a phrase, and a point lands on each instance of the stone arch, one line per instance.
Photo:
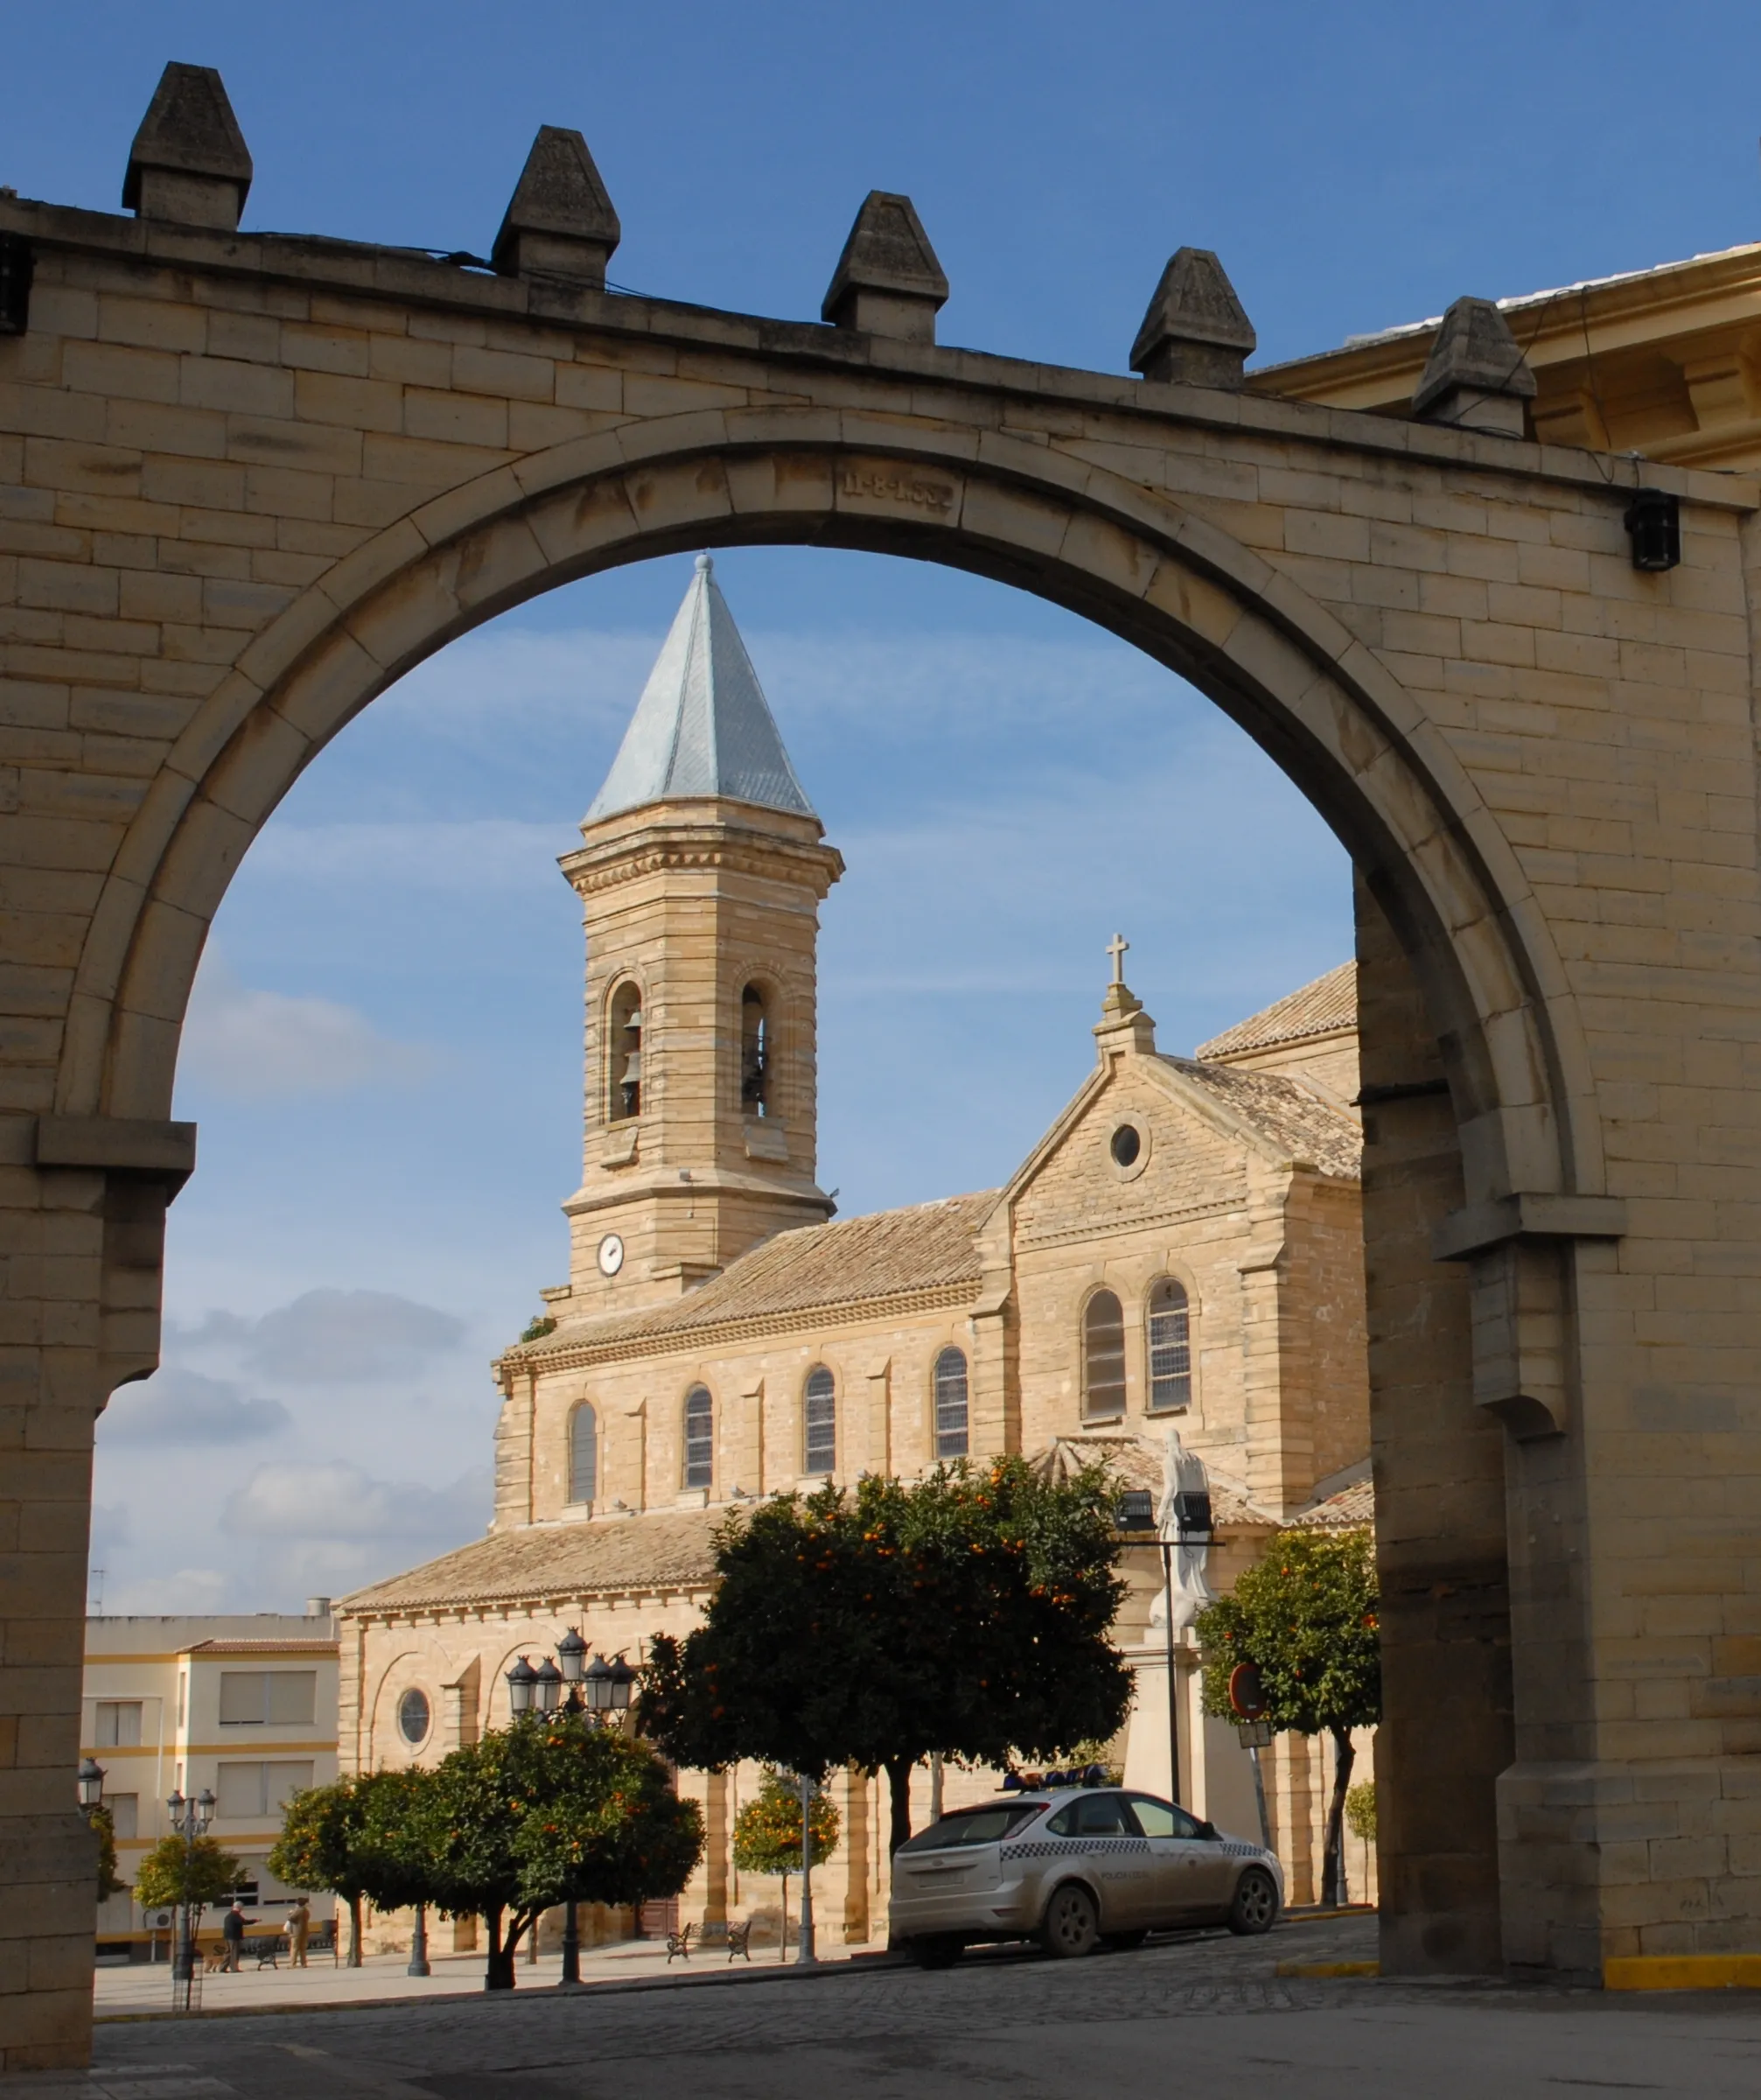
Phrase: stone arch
(1130, 558)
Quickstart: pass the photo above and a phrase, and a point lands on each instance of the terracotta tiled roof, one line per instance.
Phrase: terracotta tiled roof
(1137, 1462)
(1322, 1008)
(1346, 1509)
(1296, 1120)
(617, 1556)
(317, 1645)
(853, 1265)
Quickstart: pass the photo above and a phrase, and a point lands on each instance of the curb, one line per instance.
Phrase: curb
(1683, 1972)
(1325, 1970)
(783, 1972)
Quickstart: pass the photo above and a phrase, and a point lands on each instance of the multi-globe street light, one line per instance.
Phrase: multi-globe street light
(570, 1684)
(189, 1819)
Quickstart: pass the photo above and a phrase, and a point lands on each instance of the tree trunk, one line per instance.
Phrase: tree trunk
(1333, 1850)
(899, 1772)
(498, 1969)
(354, 1932)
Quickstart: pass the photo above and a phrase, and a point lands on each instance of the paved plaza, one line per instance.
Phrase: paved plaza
(1201, 2011)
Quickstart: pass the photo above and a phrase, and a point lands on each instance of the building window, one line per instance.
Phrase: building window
(414, 1716)
(118, 1724)
(253, 1698)
(1103, 1358)
(1171, 1348)
(624, 1054)
(260, 1789)
(756, 1051)
(950, 1405)
(583, 1454)
(125, 1814)
(819, 1422)
(700, 1437)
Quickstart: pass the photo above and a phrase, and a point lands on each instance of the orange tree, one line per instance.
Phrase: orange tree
(549, 1810)
(967, 1613)
(768, 1833)
(355, 1838)
(1306, 1616)
(178, 1871)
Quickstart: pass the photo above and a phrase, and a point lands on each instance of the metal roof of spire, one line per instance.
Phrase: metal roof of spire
(702, 725)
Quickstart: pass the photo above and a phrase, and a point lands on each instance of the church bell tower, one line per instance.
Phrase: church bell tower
(701, 872)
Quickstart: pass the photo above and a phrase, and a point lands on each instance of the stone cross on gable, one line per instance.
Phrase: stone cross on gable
(1116, 948)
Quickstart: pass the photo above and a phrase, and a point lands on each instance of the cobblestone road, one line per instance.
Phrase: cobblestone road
(1205, 2008)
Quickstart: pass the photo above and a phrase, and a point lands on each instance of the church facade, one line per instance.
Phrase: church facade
(1182, 1250)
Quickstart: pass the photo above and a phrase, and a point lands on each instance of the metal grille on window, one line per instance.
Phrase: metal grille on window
(700, 1437)
(820, 1441)
(583, 1454)
(950, 1405)
(1170, 1348)
(1103, 1358)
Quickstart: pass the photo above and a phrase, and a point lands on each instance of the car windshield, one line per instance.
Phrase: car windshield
(973, 1826)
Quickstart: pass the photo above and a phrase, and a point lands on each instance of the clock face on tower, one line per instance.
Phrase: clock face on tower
(610, 1254)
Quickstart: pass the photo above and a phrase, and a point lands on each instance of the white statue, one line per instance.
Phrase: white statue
(1183, 1473)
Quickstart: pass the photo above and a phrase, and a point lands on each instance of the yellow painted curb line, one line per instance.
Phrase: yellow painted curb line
(1683, 1972)
(1328, 1968)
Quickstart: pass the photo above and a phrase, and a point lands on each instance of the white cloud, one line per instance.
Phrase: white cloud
(177, 1406)
(336, 1336)
(335, 1499)
(189, 1591)
(251, 1044)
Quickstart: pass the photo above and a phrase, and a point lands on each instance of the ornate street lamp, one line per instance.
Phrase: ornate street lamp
(622, 1678)
(522, 1681)
(571, 1657)
(92, 1777)
(599, 1685)
(189, 1819)
(547, 1689)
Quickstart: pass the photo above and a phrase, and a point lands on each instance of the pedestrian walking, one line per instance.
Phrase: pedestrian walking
(233, 1932)
(299, 1926)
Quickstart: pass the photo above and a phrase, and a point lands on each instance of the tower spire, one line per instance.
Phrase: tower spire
(703, 726)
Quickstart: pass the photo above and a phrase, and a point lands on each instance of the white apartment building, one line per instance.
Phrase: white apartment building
(245, 1706)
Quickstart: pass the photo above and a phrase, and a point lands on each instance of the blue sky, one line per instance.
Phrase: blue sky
(383, 1054)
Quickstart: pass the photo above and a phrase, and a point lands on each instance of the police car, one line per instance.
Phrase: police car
(1076, 1868)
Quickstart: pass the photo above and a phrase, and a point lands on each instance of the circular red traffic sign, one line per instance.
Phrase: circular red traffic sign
(1247, 1692)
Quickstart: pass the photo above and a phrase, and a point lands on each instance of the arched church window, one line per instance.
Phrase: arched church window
(950, 1405)
(756, 1051)
(1171, 1348)
(1103, 1358)
(584, 1453)
(624, 1054)
(819, 1422)
(700, 1437)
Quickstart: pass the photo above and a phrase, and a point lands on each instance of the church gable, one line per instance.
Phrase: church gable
(1130, 1151)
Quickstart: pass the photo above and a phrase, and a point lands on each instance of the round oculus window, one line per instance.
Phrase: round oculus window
(1126, 1145)
(413, 1717)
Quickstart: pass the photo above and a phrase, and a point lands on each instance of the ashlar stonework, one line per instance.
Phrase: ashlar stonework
(247, 480)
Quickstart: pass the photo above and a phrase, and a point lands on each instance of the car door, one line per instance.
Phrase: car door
(1100, 1831)
(1187, 1871)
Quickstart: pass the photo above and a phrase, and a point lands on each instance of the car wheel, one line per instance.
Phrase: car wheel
(1072, 1924)
(1123, 1942)
(936, 1951)
(1255, 1908)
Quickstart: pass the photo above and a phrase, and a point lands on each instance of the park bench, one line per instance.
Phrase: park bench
(679, 1942)
(740, 1941)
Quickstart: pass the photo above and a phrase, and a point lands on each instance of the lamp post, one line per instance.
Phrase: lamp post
(91, 1780)
(598, 1690)
(805, 1955)
(189, 1819)
(1182, 1525)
